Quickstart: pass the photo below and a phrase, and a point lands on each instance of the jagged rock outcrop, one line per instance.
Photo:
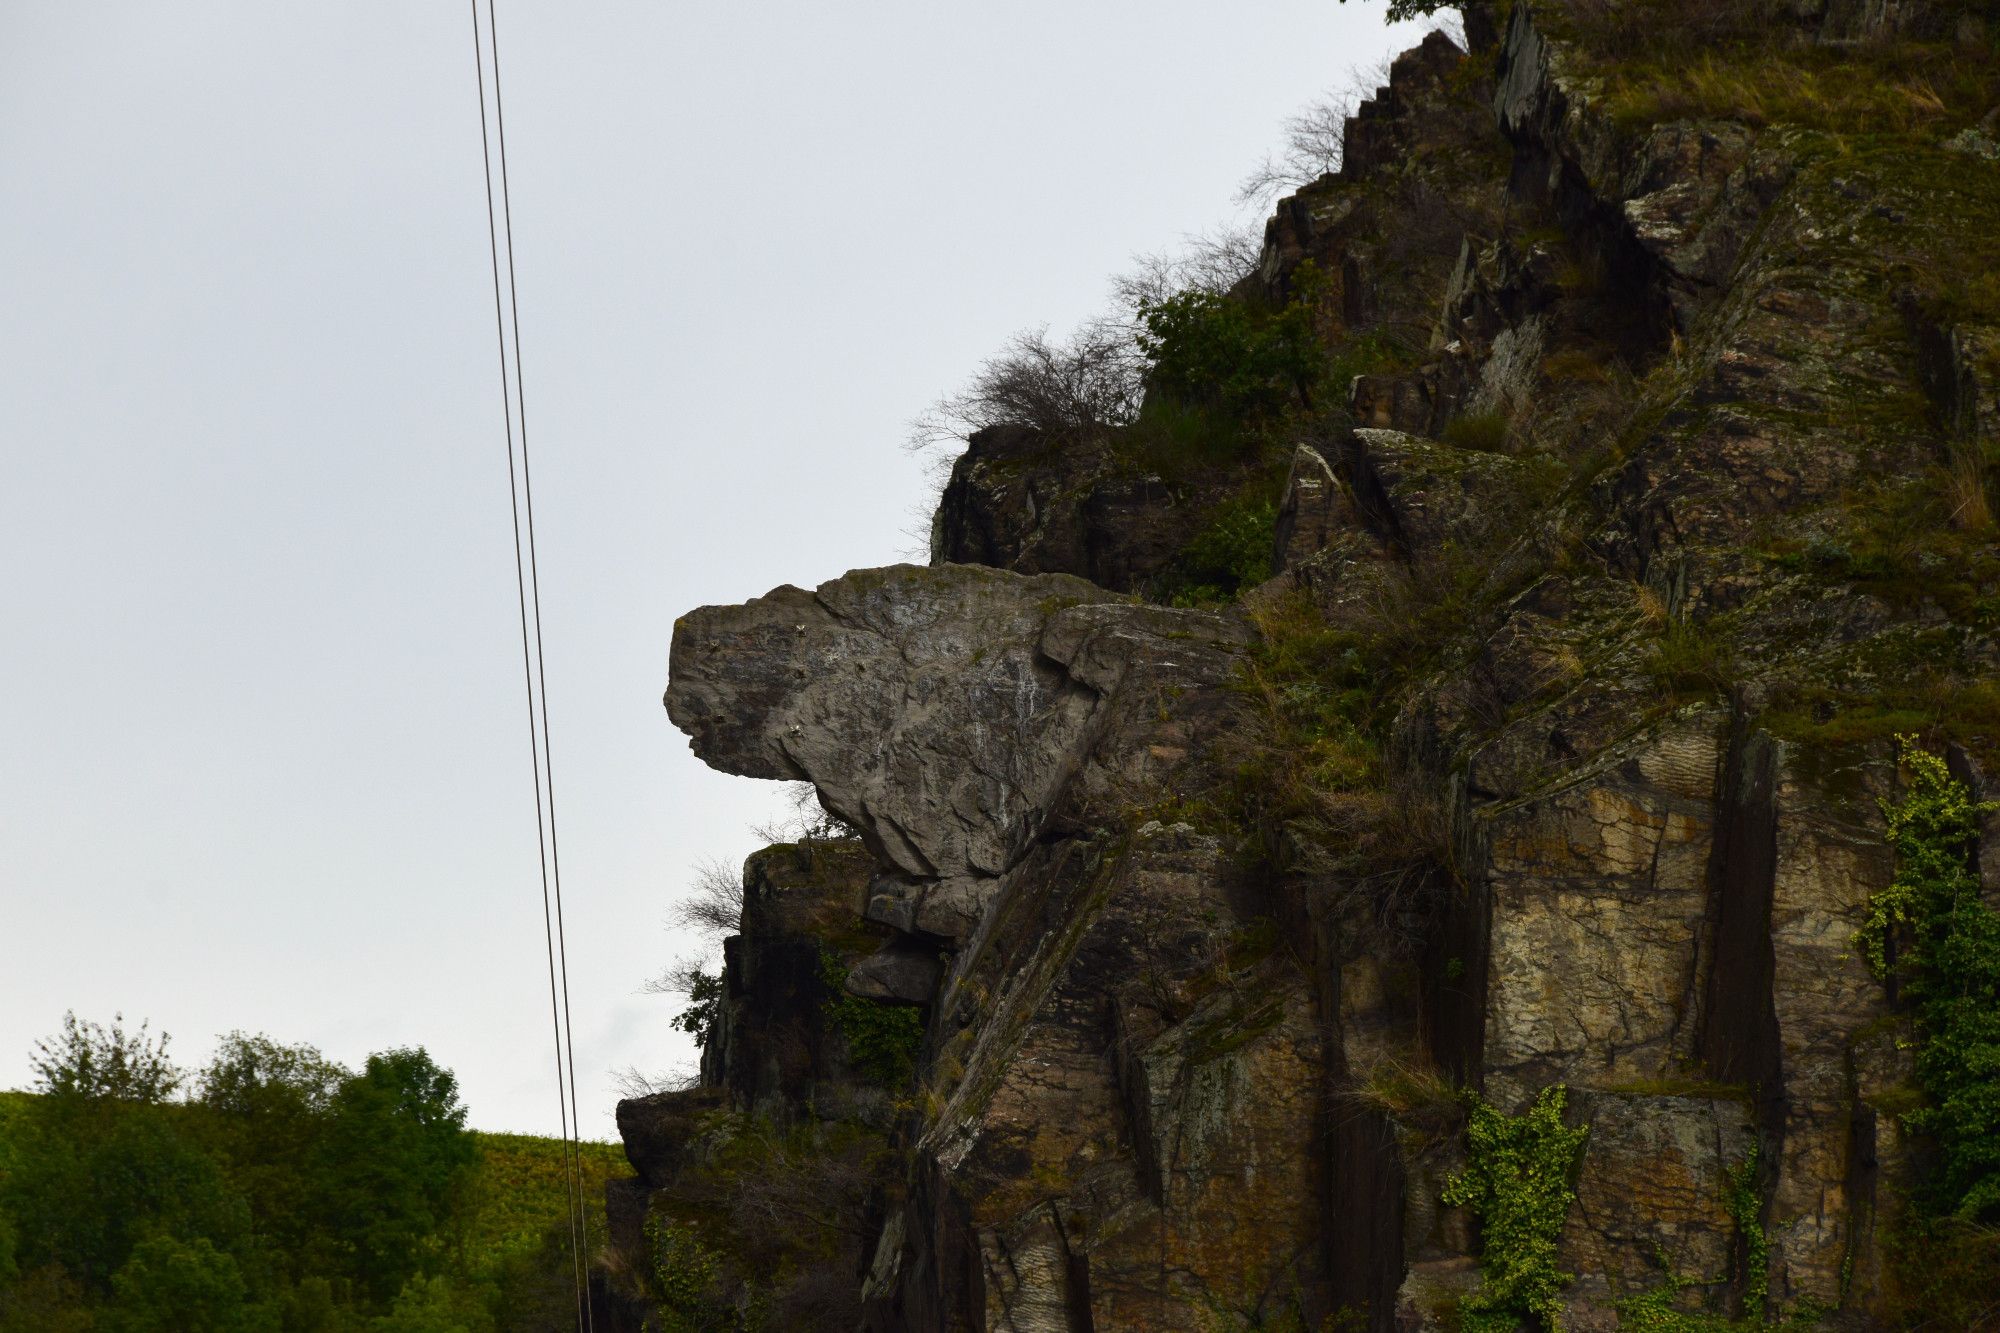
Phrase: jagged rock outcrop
(947, 713)
(1554, 753)
(1065, 503)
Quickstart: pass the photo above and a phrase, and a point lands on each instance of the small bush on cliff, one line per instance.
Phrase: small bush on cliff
(1221, 353)
(1745, 1206)
(883, 1040)
(1519, 1182)
(1931, 929)
(1230, 554)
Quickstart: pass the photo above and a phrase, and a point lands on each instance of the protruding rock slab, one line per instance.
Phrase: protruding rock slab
(941, 710)
(915, 700)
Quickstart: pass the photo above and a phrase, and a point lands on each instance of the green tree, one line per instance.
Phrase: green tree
(92, 1178)
(1216, 352)
(433, 1305)
(89, 1061)
(171, 1286)
(266, 1107)
(391, 1164)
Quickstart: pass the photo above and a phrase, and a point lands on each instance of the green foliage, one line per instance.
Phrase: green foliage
(393, 1159)
(1930, 929)
(704, 1005)
(287, 1193)
(1212, 350)
(1745, 1207)
(1403, 10)
(91, 1180)
(685, 1273)
(263, 1108)
(89, 1061)
(1519, 1182)
(433, 1305)
(883, 1040)
(168, 1286)
(1232, 552)
(1902, 88)
(1312, 779)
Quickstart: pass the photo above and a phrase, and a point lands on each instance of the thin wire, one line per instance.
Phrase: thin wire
(541, 668)
(544, 834)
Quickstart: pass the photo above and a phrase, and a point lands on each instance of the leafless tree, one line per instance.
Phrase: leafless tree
(809, 821)
(1076, 386)
(631, 1081)
(714, 902)
(680, 978)
(1210, 261)
(1312, 147)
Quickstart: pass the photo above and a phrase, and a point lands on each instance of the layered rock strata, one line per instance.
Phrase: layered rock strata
(1622, 515)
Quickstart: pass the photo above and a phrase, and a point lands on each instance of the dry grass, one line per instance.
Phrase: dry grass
(1806, 88)
(1966, 495)
(1405, 1088)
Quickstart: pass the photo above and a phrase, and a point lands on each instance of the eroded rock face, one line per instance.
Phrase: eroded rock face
(1021, 499)
(942, 711)
(916, 701)
(1185, 1067)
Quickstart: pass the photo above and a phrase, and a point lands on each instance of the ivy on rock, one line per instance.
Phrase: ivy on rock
(1519, 1181)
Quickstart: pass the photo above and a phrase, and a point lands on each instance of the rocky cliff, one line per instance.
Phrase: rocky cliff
(1481, 896)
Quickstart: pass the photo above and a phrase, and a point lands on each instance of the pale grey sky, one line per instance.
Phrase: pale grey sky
(264, 763)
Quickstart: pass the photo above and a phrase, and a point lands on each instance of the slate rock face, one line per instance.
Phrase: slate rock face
(1609, 532)
(915, 700)
(1075, 503)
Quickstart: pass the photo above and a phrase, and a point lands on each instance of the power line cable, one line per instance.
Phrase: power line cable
(527, 588)
(535, 594)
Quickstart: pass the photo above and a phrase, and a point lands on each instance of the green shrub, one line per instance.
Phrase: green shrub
(1691, 659)
(1211, 350)
(1232, 552)
(1930, 928)
(1519, 1182)
(684, 1273)
(1745, 1207)
(883, 1040)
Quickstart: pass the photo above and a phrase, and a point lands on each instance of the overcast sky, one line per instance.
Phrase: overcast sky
(264, 764)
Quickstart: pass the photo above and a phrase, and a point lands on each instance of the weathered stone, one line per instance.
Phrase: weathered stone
(1038, 504)
(1312, 512)
(1424, 496)
(1654, 1182)
(896, 972)
(1176, 1071)
(658, 1130)
(1599, 893)
(915, 700)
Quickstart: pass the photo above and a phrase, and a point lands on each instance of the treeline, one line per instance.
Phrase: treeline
(271, 1190)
